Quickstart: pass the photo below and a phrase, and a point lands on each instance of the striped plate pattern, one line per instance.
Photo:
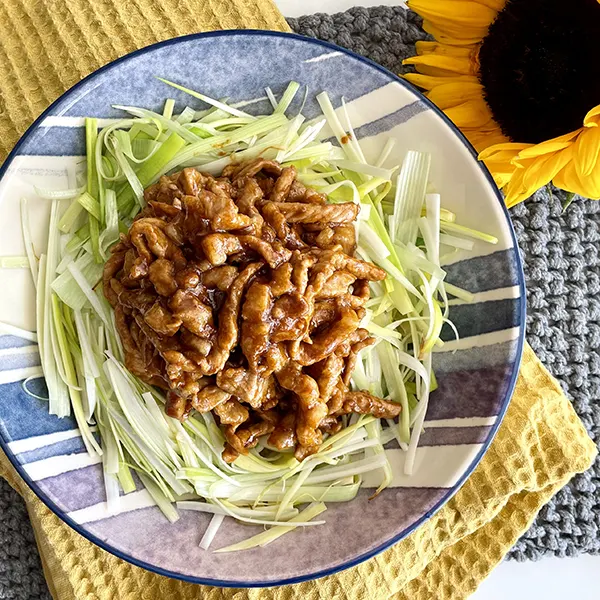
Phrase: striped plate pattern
(475, 374)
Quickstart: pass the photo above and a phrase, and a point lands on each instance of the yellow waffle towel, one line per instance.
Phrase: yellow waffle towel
(48, 45)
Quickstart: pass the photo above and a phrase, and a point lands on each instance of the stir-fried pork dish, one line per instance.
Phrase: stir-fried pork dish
(240, 295)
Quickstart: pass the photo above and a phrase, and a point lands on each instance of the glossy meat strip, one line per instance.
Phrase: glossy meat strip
(240, 295)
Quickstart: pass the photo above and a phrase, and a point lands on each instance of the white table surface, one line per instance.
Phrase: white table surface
(550, 578)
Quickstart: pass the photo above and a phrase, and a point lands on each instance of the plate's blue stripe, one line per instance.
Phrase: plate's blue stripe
(448, 436)
(482, 317)
(484, 273)
(478, 393)
(55, 141)
(11, 341)
(71, 446)
(264, 107)
(76, 489)
(19, 361)
(278, 60)
(390, 121)
(22, 416)
(494, 355)
(453, 436)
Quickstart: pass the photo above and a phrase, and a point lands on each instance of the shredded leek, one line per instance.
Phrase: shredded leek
(288, 97)
(27, 241)
(447, 226)
(216, 103)
(211, 531)
(71, 216)
(262, 539)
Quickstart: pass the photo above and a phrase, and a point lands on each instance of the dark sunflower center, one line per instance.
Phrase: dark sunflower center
(540, 67)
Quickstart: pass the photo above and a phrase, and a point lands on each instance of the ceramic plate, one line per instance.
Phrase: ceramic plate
(476, 375)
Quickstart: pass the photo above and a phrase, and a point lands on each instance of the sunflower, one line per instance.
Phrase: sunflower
(521, 79)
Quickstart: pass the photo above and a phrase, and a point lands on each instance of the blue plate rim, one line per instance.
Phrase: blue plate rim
(513, 379)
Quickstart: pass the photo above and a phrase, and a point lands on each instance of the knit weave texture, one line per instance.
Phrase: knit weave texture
(563, 278)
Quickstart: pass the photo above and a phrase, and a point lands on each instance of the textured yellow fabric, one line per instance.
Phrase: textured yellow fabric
(45, 47)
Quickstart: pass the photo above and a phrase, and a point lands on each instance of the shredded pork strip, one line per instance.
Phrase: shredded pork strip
(240, 295)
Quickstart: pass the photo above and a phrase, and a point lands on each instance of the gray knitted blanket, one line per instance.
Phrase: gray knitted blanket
(562, 268)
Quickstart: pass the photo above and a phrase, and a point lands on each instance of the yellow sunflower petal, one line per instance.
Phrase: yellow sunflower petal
(568, 180)
(515, 190)
(451, 64)
(534, 175)
(474, 35)
(500, 166)
(589, 186)
(496, 5)
(501, 156)
(545, 168)
(516, 198)
(490, 128)
(455, 37)
(553, 145)
(434, 71)
(501, 179)
(472, 113)
(492, 150)
(501, 173)
(481, 140)
(592, 119)
(453, 94)
(460, 13)
(428, 82)
(587, 151)
(592, 183)
(444, 49)
(563, 178)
